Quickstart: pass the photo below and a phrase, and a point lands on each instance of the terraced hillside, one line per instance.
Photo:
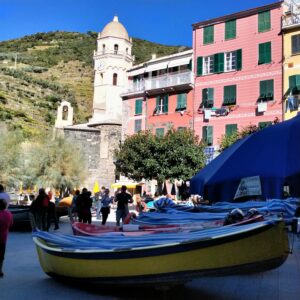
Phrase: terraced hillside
(38, 71)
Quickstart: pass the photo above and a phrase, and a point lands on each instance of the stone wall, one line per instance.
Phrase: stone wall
(98, 144)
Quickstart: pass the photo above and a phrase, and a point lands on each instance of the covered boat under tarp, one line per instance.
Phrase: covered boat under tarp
(163, 258)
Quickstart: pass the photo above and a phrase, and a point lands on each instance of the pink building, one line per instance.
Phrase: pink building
(159, 95)
(238, 71)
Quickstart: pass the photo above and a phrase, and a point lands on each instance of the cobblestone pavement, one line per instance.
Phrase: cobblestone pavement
(24, 279)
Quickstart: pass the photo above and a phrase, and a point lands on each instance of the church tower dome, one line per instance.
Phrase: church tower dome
(115, 29)
(112, 59)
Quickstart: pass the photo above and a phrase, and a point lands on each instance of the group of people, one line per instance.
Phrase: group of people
(82, 204)
(43, 211)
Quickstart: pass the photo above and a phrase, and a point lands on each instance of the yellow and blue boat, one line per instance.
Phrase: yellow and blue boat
(167, 258)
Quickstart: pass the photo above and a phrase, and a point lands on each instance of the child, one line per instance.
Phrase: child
(6, 220)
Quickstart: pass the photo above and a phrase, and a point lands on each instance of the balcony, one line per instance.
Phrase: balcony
(160, 82)
(290, 21)
(169, 80)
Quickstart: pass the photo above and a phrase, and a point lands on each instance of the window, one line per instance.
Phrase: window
(208, 65)
(208, 35)
(266, 90)
(264, 21)
(137, 125)
(116, 48)
(160, 132)
(230, 30)
(230, 129)
(230, 61)
(294, 85)
(229, 95)
(65, 112)
(115, 79)
(207, 135)
(264, 53)
(161, 105)
(263, 125)
(207, 98)
(138, 106)
(181, 102)
(181, 128)
(103, 49)
(296, 44)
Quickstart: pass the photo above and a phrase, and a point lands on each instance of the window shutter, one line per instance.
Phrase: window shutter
(292, 84)
(268, 52)
(270, 89)
(210, 94)
(264, 21)
(208, 34)
(204, 94)
(262, 89)
(160, 132)
(230, 129)
(199, 65)
(239, 59)
(230, 29)
(181, 101)
(157, 102)
(209, 138)
(219, 63)
(165, 103)
(261, 54)
(138, 106)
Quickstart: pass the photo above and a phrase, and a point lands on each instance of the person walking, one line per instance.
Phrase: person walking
(39, 209)
(4, 195)
(6, 220)
(106, 200)
(122, 199)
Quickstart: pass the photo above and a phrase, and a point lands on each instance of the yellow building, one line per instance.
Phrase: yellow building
(291, 58)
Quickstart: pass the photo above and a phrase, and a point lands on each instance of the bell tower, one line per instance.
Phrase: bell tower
(111, 61)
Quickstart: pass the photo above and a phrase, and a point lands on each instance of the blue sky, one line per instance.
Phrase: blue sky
(162, 21)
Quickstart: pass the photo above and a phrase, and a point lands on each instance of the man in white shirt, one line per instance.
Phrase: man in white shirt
(4, 195)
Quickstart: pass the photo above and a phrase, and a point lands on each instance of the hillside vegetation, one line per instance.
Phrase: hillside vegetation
(38, 71)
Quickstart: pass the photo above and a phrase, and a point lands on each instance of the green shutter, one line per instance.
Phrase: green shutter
(230, 30)
(157, 102)
(165, 103)
(160, 132)
(264, 53)
(208, 35)
(199, 65)
(230, 129)
(229, 95)
(138, 106)
(219, 63)
(262, 125)
(268, 51)
(264, 21)
(207, 134)
(266, 89)
(204, 94)
(207, 98)
(181, 101)
(210, 94)
(239, 63)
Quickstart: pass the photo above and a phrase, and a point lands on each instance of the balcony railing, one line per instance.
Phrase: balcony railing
(163, 81)
(290, 20)
(169, 80)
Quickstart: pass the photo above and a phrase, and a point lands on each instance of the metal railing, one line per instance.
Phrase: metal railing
(290, 20)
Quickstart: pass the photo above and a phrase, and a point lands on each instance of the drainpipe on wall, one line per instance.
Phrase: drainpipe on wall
(193, 71)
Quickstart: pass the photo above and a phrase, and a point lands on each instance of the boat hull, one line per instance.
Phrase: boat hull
(260, 249)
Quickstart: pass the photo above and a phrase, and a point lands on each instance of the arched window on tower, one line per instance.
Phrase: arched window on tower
(126, 50)
(115, 79)
(116, 48)
(103, 49)
(65, 112)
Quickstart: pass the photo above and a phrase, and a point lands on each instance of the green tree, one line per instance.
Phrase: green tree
(177, 155)
(53, 163)
(10, 157)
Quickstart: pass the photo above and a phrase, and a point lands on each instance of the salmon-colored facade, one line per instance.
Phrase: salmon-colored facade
(159, 95)
(248, 86)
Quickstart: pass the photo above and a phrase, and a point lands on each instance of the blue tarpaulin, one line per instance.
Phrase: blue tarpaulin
(271, 153)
